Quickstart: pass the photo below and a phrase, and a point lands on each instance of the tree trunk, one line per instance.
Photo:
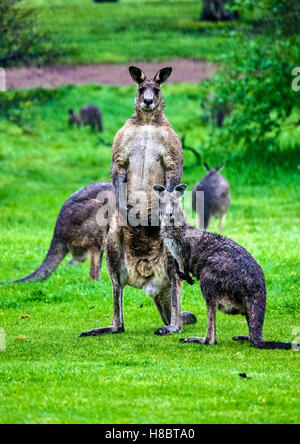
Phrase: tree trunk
(214, 10)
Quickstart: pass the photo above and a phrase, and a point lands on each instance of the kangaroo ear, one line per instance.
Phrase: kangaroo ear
(180, 190)
(71, 111)
(220, 167)
(207, 167)
(160, 191)
(163, 75)
(137, 74)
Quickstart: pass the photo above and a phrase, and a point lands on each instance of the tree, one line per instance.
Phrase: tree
(214, 10)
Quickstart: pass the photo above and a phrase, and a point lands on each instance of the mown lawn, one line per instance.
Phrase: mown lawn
(131, 30)
(48, 374)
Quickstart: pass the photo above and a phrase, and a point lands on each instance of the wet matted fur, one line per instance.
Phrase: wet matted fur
(230, 278)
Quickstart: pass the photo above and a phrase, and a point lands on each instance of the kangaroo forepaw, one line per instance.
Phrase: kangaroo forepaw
(168, 330)
(101, 331)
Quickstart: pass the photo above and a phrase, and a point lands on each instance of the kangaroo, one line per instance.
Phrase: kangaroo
(216, 197)
(78, 232)
(145, 150)
(88, 115)
(215, 112)
(230, 278)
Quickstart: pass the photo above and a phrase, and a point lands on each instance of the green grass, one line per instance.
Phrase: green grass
(131, 30)
(48, 374)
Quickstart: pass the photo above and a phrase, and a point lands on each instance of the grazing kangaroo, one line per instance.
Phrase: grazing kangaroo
(88, 115)
(216, 197)
(230, 278)
(78, 232)
(145, 150)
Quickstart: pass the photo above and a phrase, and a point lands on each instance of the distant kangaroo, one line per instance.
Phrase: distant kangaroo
(216, 196)
(215, 111)
(88, 115)
(230, 278)
(78, 232)
(146, 150)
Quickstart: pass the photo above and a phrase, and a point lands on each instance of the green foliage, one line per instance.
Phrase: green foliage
(282, 16)
(20, 39)
(257, 82)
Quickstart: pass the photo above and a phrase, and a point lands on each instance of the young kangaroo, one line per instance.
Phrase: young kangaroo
(230, 278)
(88, 115)
(216, 196)
(146, 150)
(78, 231)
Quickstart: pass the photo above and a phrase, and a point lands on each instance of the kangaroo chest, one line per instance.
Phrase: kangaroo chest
(144, 148)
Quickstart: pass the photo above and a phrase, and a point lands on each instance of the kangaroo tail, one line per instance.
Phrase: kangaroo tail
(273, 345)
(57, 252)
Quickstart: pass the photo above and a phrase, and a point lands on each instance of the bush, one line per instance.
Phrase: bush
(257, 81)
(20, 40)
(279, 16)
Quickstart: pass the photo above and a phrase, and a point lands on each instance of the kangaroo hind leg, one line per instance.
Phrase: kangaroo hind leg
(211, 338)
(96, 262)
(118, 278)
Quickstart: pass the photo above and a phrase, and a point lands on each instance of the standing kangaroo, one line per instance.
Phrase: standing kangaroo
(216, 196)
(230, 278)
(145, 150)
(78, 232)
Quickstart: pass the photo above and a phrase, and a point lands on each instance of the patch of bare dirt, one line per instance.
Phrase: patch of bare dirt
(184, 70)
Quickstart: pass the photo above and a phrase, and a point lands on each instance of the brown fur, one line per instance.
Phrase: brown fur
(145, 150)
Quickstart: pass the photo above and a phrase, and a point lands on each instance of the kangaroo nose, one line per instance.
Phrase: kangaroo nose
(148, 102)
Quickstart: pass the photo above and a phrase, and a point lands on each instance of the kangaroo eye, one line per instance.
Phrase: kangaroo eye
(141, 90)
(156, 90)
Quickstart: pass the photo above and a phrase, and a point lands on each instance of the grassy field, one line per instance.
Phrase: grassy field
(131, 30)
(48, 374)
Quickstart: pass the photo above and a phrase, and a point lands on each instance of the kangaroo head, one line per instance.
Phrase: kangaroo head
(171, 211)
(72, 117)
(213, 170)
(149, 97)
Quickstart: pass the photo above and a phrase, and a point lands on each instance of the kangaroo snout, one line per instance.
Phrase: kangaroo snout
(148, 102)
(148, 98)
